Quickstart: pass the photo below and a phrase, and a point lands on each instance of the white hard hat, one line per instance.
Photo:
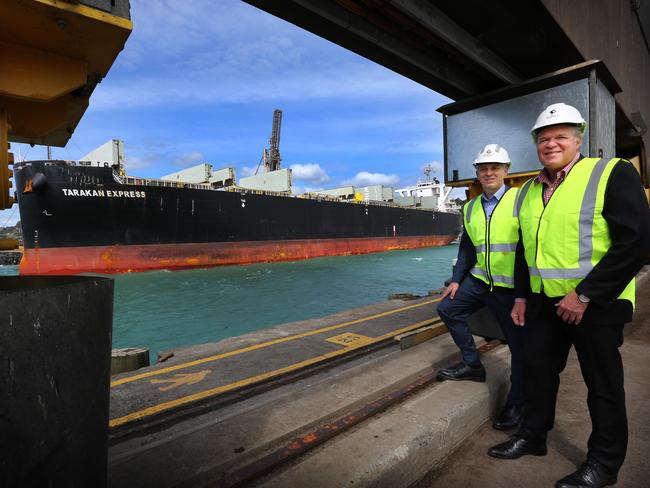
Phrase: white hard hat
(559, 113)
(492, 153)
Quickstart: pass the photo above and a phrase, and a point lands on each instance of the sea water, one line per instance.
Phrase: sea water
(163, 310)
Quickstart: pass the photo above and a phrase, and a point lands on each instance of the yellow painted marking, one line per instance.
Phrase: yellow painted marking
(348, 338)
(262, 345)
(201, 395)
(182, 379)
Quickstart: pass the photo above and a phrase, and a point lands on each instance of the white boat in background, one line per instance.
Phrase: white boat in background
(430, 189)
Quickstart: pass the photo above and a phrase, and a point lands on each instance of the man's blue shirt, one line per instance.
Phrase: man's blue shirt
(490, 203)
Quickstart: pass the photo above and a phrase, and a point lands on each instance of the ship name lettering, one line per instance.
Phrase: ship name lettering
(82, 193)
(75, 192)
(127, 194)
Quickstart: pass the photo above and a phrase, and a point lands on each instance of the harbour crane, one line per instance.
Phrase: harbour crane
(272, 154)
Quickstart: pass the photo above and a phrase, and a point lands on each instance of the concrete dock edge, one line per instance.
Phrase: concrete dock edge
(410, 441)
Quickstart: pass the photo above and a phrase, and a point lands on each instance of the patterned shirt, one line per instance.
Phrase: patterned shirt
(550, 185)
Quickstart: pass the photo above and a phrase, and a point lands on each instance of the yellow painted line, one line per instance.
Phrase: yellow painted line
(262, 345)
(201, 395)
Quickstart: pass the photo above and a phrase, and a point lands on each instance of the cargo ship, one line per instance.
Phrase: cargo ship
(79, 218)
(89, 216)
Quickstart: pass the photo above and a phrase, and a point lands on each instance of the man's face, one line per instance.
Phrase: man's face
(557, 145)
(491, 175)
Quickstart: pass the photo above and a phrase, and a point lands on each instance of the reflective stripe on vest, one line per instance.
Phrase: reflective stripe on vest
(497, 248)
(565, 239)
(507, 280)
(521, 196)
(494, 242)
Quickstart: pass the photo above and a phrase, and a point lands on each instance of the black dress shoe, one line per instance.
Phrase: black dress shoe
(591, 474)
(509, 418)
(462, 371)
(518, 446)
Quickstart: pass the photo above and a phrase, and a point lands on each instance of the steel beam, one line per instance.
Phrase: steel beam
(446, 29)
(434, 68)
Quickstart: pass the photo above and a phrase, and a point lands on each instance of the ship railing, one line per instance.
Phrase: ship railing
(381, 203)
(254, 191)
(134, 180)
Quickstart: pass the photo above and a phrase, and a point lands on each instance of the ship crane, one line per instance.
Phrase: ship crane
(272, 154)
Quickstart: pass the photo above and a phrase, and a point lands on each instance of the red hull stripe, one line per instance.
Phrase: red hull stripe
(124, 259)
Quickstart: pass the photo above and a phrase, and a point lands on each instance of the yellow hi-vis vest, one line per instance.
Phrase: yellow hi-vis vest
(495, 240)
(565, 239)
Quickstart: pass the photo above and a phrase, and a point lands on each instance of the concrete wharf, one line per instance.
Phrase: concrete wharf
(348, 400)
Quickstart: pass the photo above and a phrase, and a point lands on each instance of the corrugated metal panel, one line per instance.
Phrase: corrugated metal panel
(279, 180)
(603, 123)
(344, 192)
(508, 124)
(196, 174)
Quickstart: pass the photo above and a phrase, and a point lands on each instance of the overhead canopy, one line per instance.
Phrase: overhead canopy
(459, 48)
(466, 48)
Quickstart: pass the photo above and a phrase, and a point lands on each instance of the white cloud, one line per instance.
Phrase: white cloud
(218, 52)
(298, 189)
(248, 171)
(189, 159)
(135, 163)
(310, 172)
(208, 79)
(204, 86)
(364, 178)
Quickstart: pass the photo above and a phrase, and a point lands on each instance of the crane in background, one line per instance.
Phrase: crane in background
(271, 155)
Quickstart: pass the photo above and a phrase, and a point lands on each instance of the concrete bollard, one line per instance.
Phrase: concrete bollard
(55, 349)
(129, 359)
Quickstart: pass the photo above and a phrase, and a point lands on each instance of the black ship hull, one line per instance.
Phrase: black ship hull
(85, 219)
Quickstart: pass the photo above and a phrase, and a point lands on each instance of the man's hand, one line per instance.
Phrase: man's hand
(451, 290)
(570, 309)
(518, 313)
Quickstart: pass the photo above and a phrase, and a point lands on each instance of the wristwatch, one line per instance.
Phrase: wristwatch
(583, 298)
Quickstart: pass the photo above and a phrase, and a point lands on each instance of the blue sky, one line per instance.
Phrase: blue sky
(201, 84)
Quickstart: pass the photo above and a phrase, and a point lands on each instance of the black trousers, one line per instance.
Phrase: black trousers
(471, 296)
(547, 341)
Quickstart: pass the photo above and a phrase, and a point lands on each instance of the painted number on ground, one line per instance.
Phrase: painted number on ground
(349, 339)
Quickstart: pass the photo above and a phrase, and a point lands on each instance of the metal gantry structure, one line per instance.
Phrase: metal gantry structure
(272, 157)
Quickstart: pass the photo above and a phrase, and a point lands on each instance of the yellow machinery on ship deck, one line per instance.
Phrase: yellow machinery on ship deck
(52, 55)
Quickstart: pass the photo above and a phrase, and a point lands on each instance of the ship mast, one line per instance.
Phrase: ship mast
(272, 154)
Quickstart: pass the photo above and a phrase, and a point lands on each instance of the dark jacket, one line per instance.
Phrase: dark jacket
(626, 212)
(466, 258)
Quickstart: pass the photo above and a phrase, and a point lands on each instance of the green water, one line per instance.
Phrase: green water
(163, 310)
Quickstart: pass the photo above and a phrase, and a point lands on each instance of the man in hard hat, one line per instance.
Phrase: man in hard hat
(484, 276)
(585, 230)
